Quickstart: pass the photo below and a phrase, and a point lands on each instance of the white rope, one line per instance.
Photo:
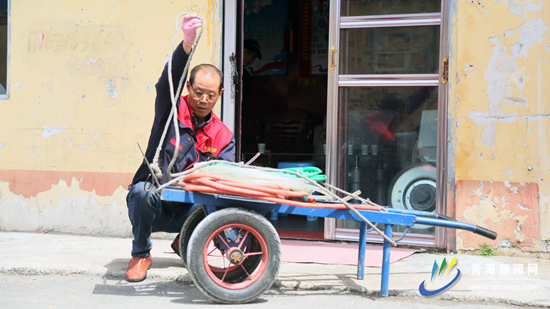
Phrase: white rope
(174, 98)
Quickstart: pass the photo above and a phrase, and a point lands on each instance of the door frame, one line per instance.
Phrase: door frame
(232, 79)
(445, 188)
(229, 47)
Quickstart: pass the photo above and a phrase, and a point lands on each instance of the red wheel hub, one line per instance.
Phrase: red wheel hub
(236, 254)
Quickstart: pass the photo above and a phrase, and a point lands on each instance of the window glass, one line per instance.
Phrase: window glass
(396, 50)
(391, 151)
(388, 7)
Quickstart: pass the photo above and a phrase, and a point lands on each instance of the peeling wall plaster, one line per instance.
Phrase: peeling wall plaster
(65, 208)
(78, 103)
(499, 91)
(84, 67)
(503, 73)
(48, 132)
(510, 209)
(111, 89)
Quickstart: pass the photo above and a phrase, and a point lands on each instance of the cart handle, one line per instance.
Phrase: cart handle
(457, 225)
(485, 232)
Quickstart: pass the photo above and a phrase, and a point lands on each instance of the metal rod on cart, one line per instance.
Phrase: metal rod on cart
(372, 226)
(353, 195)
(386, 238)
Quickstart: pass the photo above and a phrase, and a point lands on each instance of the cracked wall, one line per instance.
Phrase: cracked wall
(81, 94)
(499, 85)
(508, 208)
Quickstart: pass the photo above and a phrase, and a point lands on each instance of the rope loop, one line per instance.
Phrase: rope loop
(174, 98)
(156, 169)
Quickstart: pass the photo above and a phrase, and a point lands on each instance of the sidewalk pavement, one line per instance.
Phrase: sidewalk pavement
(499, 279)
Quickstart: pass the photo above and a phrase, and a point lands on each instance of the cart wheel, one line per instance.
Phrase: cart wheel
(234, 255)
(187, 229)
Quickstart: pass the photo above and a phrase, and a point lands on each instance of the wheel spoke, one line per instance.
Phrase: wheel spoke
(253, 253)
(209, 253)
(225, 273)
(246, 271)
(215, 259)
(223, 239)
(243, 240)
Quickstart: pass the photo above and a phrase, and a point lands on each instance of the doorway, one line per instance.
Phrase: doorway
(284, 92)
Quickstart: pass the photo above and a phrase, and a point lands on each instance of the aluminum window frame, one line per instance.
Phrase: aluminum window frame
(386, 21)
(337, 81)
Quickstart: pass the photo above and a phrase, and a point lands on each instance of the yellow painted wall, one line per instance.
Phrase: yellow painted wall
(81, 94)
(67, 148)
(499, 109)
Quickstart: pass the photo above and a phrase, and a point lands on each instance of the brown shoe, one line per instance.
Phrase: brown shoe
(137, 268)
(176, 245)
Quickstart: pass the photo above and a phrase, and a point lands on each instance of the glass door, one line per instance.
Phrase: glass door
(384, 108)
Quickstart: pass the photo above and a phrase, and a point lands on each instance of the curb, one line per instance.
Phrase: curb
(375, 294)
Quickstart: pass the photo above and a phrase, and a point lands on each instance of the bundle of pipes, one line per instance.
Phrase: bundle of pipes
(215, 184)
(273, 185)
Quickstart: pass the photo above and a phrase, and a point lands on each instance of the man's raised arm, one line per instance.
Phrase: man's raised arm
(163, 102)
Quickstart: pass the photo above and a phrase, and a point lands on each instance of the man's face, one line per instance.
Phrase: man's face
(248, 57)
(204, 93)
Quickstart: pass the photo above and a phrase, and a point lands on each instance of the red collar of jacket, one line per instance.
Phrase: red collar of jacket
(185, 113)
(216, 134)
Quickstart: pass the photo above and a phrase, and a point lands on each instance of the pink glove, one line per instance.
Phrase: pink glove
(189, 25)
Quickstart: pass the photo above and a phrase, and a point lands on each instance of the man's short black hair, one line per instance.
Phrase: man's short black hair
(209, 68)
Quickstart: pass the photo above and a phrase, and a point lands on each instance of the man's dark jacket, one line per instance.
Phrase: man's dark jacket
(197, 143)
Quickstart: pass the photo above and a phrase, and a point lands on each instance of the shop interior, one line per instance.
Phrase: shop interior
(284, 96)
(388, 134)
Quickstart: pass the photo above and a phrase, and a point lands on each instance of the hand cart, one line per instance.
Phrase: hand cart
(233, 252)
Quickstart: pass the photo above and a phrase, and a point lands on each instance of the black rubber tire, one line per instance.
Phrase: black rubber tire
(264, 279)
(187, 229)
